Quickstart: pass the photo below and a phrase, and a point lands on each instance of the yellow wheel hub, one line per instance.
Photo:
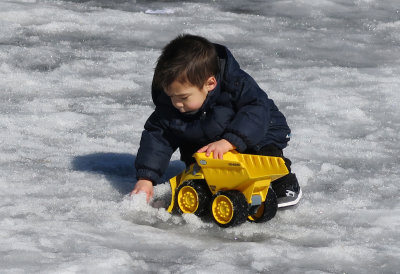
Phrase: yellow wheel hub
(222, 209)
(188, 200)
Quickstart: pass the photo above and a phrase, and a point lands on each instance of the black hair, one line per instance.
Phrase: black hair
(187, 58)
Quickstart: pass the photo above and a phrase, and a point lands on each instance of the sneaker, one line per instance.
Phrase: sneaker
(287, 190)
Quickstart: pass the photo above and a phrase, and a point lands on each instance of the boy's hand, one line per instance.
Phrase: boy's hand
(218, 148)
(143, 185)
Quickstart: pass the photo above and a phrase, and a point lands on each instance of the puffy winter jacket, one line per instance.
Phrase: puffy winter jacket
(237, 110)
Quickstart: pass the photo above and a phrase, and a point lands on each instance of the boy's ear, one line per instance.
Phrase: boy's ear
(211, 83)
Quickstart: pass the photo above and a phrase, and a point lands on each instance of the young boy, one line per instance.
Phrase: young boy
(206, 103)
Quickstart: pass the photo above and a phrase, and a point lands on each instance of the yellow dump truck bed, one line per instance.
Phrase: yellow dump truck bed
(236, 169)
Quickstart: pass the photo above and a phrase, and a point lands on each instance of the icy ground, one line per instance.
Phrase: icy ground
(74, 95)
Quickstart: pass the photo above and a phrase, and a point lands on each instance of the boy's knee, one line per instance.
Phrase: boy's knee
(271, 150)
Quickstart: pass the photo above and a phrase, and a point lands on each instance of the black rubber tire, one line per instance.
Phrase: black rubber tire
(267, 210)
(240, 208)
(203, 193)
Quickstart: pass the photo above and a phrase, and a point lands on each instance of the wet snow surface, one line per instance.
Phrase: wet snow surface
(74, 96)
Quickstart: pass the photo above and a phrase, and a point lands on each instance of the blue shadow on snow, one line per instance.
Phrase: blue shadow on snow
(118, 168)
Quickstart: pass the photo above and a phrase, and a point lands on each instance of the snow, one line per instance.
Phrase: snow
(74, 96)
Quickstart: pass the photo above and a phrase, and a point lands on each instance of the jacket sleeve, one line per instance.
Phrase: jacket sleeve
(248, 127)
(156, 148)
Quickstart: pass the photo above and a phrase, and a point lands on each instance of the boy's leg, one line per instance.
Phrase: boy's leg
(287, 188)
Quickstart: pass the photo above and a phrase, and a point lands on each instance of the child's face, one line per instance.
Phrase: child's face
(186, 97)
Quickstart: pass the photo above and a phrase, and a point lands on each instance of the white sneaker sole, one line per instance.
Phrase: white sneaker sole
(291, 203)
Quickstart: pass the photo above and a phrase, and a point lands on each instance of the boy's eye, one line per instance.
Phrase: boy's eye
(183, 98)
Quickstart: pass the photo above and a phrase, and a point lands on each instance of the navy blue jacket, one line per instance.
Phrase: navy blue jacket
(237, 110)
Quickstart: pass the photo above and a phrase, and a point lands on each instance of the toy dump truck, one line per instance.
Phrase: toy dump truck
(231, 190)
